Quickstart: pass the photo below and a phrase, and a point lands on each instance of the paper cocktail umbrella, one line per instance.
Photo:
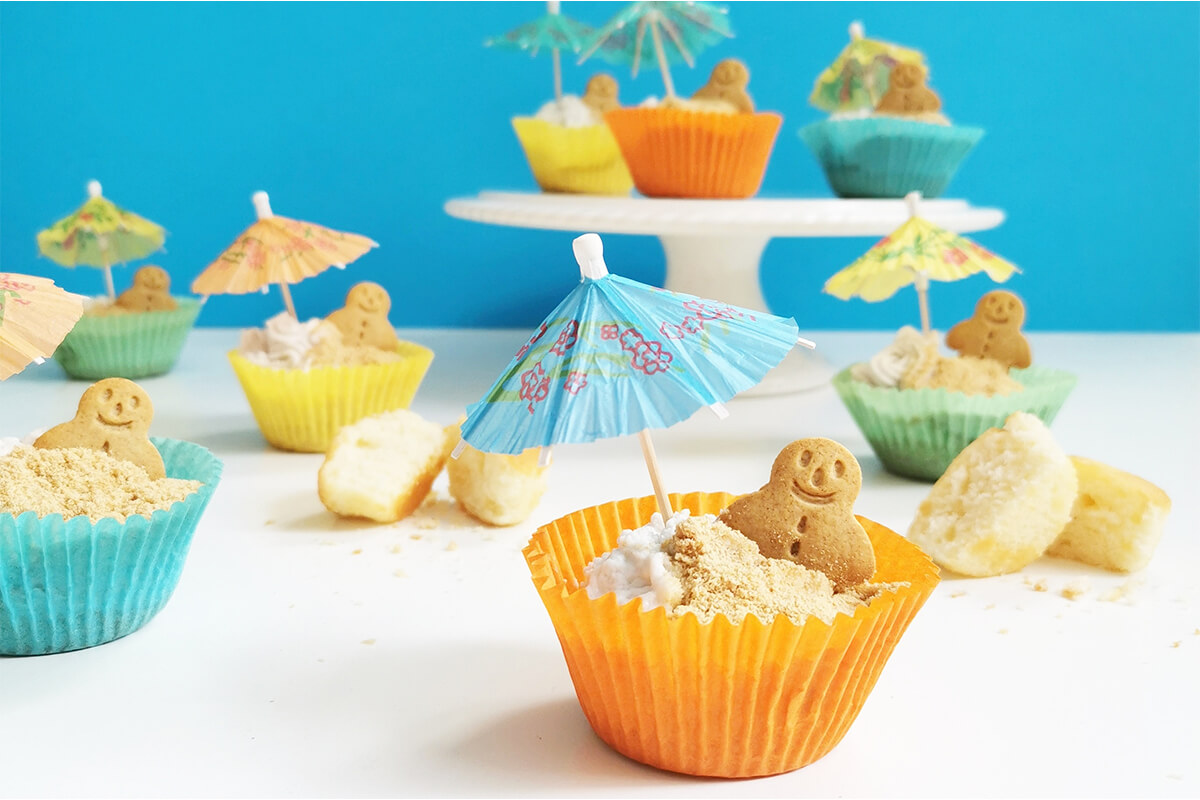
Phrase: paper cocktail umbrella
(278, 250)
(35, 316)
(618, 357)
(916, 252)
(678, 32)
(858, 77)
(100, 234)
(551, 31)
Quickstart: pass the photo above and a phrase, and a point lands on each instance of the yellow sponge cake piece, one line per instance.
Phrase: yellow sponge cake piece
(494, 488)
(382, 467)
(1000, 503)
(1117, 519)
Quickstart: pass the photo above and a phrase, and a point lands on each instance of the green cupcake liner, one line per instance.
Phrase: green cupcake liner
(888, 157)
(70, 584)
(127, 345)
(916, 433)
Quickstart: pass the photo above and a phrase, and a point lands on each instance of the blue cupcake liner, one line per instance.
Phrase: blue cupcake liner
(70, 584)
(916, 433)
(127, 345)
(888, 157)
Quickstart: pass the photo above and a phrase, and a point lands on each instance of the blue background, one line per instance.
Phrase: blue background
(368, 117)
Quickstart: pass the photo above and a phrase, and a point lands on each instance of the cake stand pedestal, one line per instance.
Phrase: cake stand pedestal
(714, 247)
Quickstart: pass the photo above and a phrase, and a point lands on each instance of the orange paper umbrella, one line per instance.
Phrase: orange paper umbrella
(35, 315)
(278, 250)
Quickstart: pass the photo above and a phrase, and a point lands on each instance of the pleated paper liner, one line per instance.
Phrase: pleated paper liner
(888, 157)
(70, 584)
(676, 153)
(302, 409)
(918, 432)
(132, 346)
(577, 160)
(716, 699)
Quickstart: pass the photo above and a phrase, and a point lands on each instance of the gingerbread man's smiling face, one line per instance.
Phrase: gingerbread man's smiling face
(818, 471)
(369, 297)
(117, 403)
(731, 72)
(153, 278)
(1001, 308)
(906, 76)
(602, 87)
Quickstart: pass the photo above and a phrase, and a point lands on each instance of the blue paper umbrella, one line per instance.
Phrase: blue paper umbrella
(618, 357)
(678, 32)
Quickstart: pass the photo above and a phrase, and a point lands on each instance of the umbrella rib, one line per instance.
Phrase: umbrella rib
(637, 45)
(671, 30)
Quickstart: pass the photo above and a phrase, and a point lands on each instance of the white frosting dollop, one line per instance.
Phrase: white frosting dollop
(890, 364)
(286, 342)
(10, 443)
(570, 112)
(639, 566)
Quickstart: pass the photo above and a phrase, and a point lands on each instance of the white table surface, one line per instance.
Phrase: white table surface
(306, 656)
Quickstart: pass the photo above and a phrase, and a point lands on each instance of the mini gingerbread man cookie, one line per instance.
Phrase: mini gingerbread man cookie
(994, 332)
(151, 291)
(601, 93)
(907, 94)
(805, 513)
(728, 83)
(113, 416)
(364, 321)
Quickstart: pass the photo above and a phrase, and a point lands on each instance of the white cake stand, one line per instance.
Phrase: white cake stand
(714, 247)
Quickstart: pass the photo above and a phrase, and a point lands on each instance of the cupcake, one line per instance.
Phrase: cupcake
(95, 523)
(739, 637)
(138, 334)
(570, 148)
(305, 380)
(890, 140)
(918, 409)
(712, 145)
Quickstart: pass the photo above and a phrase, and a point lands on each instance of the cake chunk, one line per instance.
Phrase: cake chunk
(382, 467)
(1002, 501)
(1117, 519)
(495, 488)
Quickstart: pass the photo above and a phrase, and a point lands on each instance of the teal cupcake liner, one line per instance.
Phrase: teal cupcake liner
(127, 345)
(70, 584)
(888, 157)
(916, 433)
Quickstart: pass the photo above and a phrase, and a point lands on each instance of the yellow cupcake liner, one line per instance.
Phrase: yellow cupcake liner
(302, 409)
(717, 699)
(577, 160)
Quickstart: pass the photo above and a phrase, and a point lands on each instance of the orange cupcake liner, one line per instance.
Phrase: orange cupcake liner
(676, 153)
(717, 699)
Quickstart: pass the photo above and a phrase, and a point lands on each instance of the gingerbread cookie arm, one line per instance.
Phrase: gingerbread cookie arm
(957, 337)
(1023, 356)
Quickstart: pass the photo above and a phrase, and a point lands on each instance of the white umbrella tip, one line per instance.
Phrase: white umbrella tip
(552, 6)
(262, 204)
(589, 252)
(912, 200)
(856, 30)
(94, 189)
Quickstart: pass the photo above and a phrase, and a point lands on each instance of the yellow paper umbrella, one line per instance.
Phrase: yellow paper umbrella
(916, 252)
(858, 78)
(278, 250)
(35, 315)
(100, 234)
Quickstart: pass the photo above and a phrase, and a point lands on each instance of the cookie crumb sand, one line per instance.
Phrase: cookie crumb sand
(1075, 589)
(83, 482)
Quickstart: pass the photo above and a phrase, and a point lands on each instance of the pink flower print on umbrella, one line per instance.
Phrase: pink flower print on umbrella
(650, 358)
(705, 310)
(575, 382)
(566, 338)
(670, 330)
(535, 385)
(630, 339)
(609, 331)
(954, 256)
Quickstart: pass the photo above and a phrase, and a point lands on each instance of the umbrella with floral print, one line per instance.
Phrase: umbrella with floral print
(35, 316)
(916, 252)
(618, 357)
(100, 234)
(278, 250)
